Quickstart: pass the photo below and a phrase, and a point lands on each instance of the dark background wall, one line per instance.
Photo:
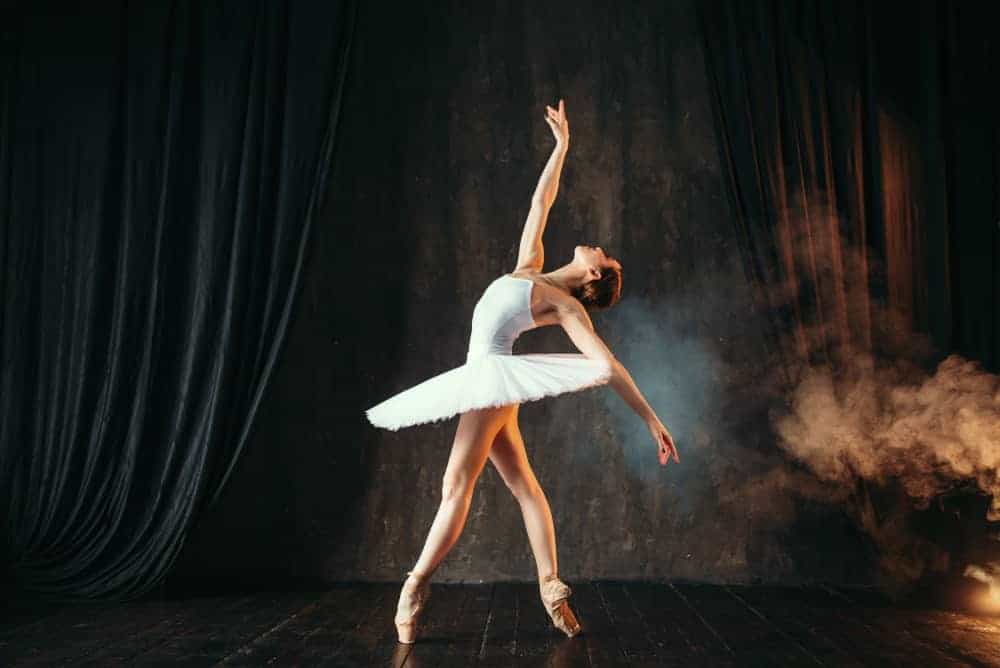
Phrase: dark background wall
(442, 142)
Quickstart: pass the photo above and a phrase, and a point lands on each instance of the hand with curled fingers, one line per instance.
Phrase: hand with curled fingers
(664, 441)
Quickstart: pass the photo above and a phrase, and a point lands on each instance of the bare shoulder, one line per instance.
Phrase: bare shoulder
(547, 301)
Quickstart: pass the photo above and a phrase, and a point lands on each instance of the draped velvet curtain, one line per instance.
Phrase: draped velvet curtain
(860, 142)
(161, 167)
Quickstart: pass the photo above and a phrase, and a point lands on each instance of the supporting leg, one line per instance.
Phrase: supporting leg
(511, 461)
(473, 438)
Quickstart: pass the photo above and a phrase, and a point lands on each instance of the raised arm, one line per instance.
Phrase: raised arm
(531, 253)
(574, 319)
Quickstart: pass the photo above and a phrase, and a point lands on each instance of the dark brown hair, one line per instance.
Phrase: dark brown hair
(601, 293)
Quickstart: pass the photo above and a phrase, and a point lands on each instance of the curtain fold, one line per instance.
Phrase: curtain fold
(161, 167)
(860, 143)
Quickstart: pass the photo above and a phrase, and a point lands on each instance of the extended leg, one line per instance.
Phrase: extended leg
(475, 433)
(511, 461)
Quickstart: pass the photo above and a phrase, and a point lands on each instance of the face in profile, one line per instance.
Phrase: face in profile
(594, 258)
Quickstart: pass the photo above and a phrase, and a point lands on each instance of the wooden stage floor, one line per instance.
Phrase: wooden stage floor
(625, 624)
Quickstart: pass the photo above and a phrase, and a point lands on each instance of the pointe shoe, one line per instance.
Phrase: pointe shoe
(555, 593)
(412, 600)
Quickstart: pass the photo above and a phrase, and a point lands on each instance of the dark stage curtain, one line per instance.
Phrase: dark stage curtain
(860, 143)
(161, 166)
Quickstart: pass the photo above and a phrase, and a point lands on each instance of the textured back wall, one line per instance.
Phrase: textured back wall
(442, 143)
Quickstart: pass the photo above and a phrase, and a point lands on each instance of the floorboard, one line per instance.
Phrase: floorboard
(599, 635)
(498, 644)
(752, 640)
(789, 609)
(678, 637)
(505, 624)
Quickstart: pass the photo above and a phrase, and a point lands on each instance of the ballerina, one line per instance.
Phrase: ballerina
(488, 389)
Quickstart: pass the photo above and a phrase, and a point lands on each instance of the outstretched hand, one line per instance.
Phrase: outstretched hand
(556, 118)
(664, 442)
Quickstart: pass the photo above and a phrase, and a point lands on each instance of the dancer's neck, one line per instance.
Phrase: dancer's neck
(567, 277)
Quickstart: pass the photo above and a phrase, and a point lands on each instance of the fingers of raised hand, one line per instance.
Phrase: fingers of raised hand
(558, 115)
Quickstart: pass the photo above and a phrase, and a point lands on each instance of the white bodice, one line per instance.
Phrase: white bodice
(502, 313)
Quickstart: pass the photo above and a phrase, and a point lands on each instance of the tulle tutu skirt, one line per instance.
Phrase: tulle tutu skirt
(489, 380)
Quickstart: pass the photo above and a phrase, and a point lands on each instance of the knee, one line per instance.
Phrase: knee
(457, 487)
(524, 489)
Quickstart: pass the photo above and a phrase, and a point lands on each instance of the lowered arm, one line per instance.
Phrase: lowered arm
(575, 320)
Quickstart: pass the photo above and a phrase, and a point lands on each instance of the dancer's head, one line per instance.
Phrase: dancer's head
(602, 286)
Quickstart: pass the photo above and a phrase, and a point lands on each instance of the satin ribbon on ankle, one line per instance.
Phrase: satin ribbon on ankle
(553, 591)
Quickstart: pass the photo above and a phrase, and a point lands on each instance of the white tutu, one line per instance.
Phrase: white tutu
(489, 380)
